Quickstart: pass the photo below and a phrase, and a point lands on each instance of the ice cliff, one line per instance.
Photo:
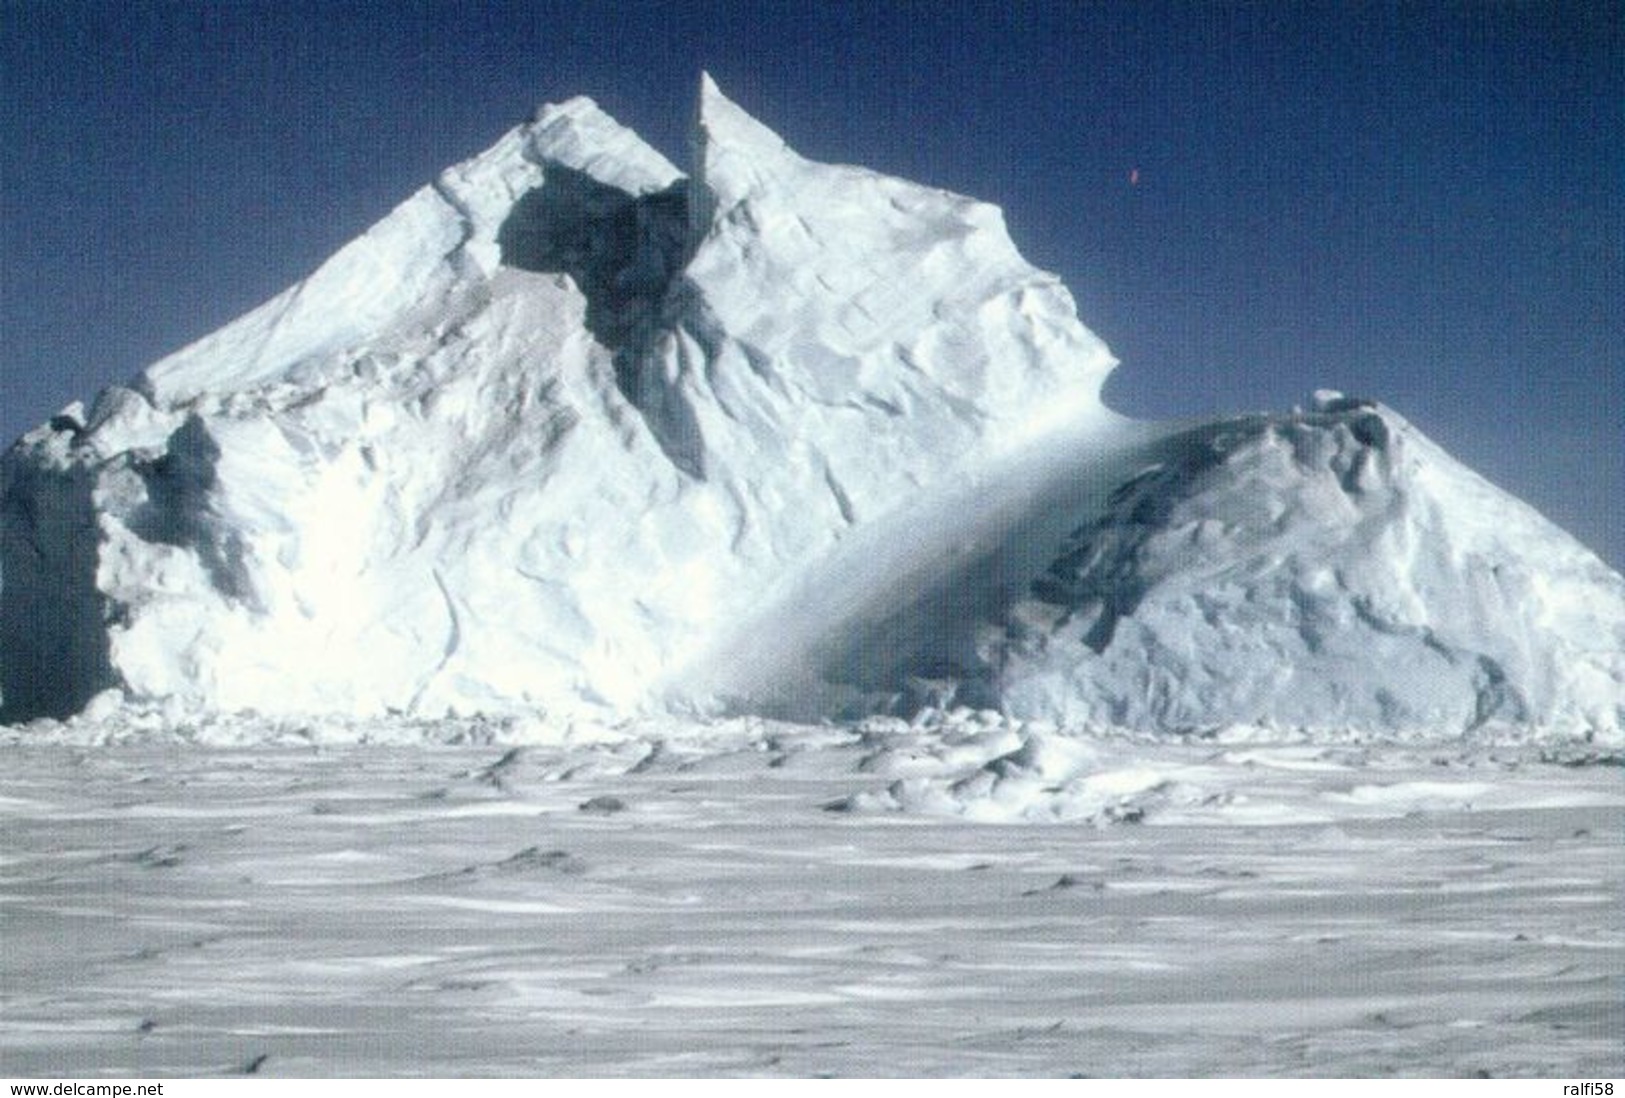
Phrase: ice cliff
(571, 431)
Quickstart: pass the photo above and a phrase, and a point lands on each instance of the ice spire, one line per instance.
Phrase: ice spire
(733, 154)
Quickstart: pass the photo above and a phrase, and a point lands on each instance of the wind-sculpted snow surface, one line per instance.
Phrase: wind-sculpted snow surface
(571, 433)
(737, 899)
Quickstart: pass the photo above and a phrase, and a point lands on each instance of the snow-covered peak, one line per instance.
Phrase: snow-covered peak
(530, 443)
(578, 134)
(880, 292)
(418, 261)
(725, 129)
(733, 155)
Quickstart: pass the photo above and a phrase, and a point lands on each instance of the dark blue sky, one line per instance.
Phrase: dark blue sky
(1421, 202)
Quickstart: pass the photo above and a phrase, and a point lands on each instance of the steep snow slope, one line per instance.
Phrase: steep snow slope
(559, 422)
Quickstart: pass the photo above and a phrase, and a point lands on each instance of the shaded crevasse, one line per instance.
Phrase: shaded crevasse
(53, 618)
(622, 251)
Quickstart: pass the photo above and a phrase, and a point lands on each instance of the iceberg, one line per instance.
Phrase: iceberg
(573, 432)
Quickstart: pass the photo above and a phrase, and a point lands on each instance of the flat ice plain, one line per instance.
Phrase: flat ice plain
(760, 899)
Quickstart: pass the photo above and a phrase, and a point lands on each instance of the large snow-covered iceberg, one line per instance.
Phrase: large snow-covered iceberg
(570, 431)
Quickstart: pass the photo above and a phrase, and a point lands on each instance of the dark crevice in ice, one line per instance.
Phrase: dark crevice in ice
(624, 252)
(53, 630)
(178, 510)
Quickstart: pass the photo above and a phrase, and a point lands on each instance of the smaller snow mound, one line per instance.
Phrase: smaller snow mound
(1325, 568)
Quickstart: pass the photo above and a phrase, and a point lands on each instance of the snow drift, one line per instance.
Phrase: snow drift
(572, 432)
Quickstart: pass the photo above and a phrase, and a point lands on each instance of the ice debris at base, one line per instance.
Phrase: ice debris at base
(981, 767)
(570, 439)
